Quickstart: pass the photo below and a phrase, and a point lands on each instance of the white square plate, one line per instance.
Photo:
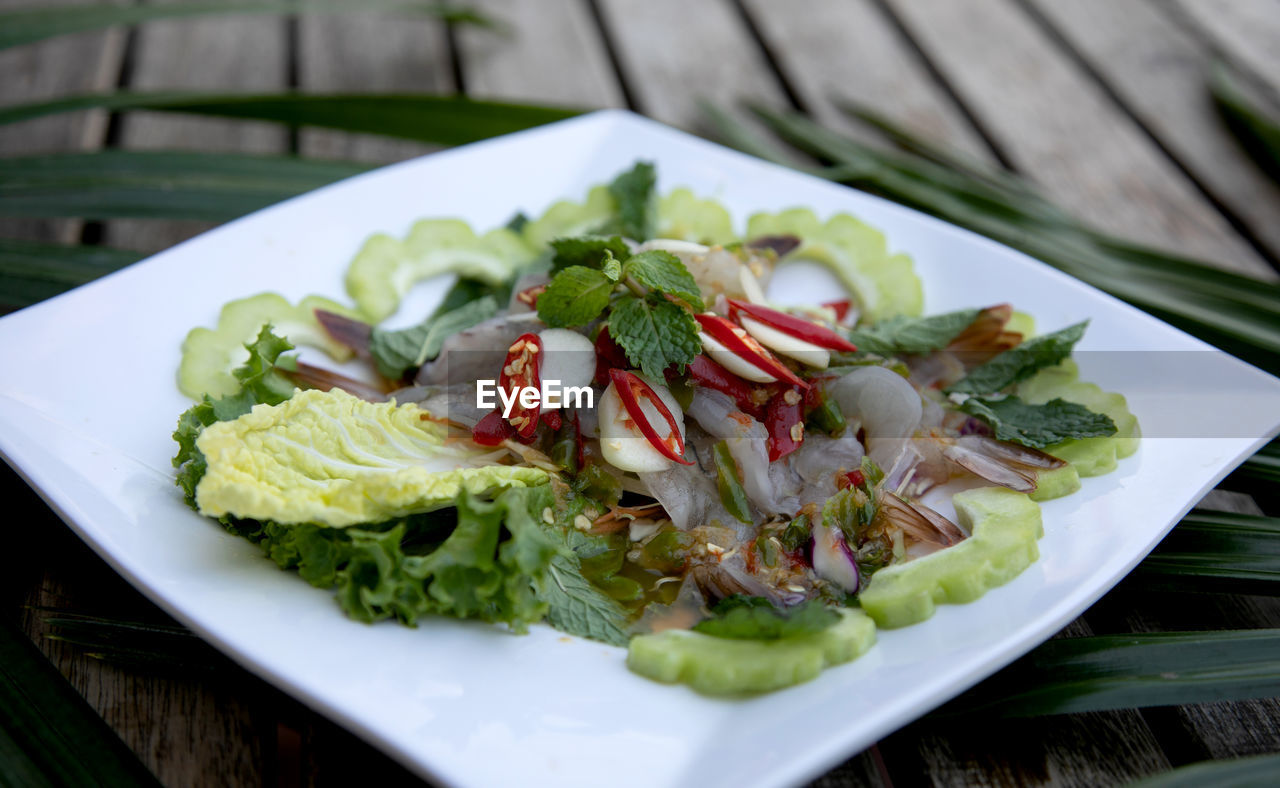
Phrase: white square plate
(88, 400)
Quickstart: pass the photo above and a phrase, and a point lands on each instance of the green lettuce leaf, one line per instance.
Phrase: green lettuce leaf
(328, 458)
(488, 563)
(396, 352)
(259, 380)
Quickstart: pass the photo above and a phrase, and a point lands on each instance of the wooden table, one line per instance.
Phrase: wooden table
(1100, 102)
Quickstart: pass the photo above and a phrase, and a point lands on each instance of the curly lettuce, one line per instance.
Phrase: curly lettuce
(489, 563)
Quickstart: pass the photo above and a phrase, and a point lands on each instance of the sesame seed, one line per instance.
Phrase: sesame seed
(797, 432)
(582, 522)
(796, 588)
(548, 517)
(714, 549)
(791, 397)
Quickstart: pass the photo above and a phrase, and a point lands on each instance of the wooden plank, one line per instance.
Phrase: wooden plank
(1248, 31)
(1204, 731)
(61, 66)
(369, 53)
(223, 54)
(552, 53)
(851, 51)
(1101, 748)
(674, 53)
(1158, 69)
(1056, 124)
(183, 728)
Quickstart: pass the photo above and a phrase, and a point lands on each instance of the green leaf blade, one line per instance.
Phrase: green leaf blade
(913, 335)
(663, 272)
(576, 296)
(655, 334)
(397, 352)
(1019, 363)
(28, 25)
(1038, 426)
(157, 184)
(637, 202)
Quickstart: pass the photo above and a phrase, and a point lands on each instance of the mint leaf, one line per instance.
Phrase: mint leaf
(754, 618)
(913, 334)
(1021, 362)
(576, 296)
(464, 291)
(654, 333)
(587, 250)
(396, 352)
(578, 607)
(611, 267)
(637, 202)
(260, 382)
(1038, 426)
(664, 272)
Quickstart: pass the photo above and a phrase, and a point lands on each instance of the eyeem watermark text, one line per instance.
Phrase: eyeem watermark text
(551, 395)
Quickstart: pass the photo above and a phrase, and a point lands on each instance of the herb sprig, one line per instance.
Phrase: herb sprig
(650, 299)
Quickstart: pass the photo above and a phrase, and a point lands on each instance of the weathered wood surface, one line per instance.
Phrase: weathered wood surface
(674, 54)
(370, 52)
(854, 52)
(245, 54)
(1158, 69)
(1243, 31)
(1058, 126)
(552, 52)
(73, 64)
(1099, 102)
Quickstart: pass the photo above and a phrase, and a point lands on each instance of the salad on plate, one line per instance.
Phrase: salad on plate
(608, 426)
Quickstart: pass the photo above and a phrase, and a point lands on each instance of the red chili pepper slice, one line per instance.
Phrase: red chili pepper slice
(631, 388)
(529, 296)
(706, 372)
(492, 429)
(851, 479)
(742, 344)
(552, 419)
(793, 326)
(520, 371)
(609, 355)
(841, 308)
(784, 421)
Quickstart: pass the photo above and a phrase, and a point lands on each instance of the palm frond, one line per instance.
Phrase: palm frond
(1231, 311)
(31, 271)
(1130, 671)
(48, 733)
(1255, 125)
(27, 25)
(440, 120)
(1217, 551)
(1258, 770)
(157, 184)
